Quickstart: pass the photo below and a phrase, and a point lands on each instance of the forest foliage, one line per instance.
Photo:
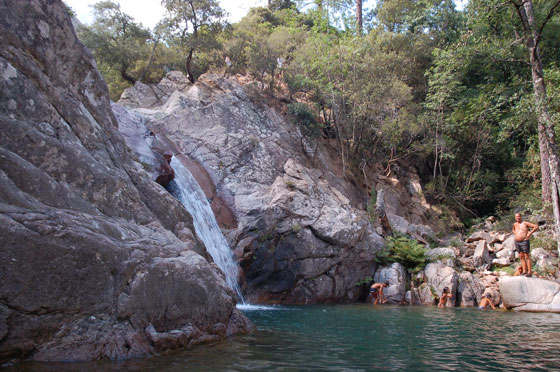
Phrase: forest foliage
(449, 91)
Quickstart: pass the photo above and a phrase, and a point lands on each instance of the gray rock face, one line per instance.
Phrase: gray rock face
(437, 253)
(422, 295)
(143, 142)
(396, 276)
(508, 249)
(439, 276)
(481, 255)
(544, 260)
(480, 235)
(444, 256)
(530, 294)
(501, 262)
(469, 290)
(96, 260)
(299, 233)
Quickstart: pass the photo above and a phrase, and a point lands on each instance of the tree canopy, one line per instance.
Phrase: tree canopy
(451, 92)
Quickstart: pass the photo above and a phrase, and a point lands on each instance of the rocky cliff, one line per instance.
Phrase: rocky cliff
(96, 259)
(297, 225)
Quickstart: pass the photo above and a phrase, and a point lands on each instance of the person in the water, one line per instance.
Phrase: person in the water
(376, 291)
(445, 295)
(485, 301)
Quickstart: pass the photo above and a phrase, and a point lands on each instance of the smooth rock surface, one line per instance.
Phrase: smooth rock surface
(508, 249)
(396, 276)
(530, 294)
(480, 235)
(469, 290)
(422, 295)
(501, 262)
(439, 276)
(92, 264)
(481, 255)
(444, 256)
(300, 234)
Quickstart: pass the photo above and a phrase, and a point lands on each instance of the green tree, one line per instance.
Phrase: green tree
(116, 41)
(260, 39)
(438, 18)
(531, 32)
(194, 25)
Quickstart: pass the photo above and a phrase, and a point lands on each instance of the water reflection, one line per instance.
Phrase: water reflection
(364, 338)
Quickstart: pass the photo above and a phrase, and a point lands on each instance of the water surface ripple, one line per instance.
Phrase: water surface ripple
(363, 338)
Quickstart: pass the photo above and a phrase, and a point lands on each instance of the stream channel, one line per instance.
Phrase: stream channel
(360, 337)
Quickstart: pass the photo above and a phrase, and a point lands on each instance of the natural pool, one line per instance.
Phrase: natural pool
(361, 337)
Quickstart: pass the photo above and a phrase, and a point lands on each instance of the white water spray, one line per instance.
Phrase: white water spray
(185, 188)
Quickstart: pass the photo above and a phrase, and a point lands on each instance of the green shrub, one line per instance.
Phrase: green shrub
(303, 118)
(510, 270)
(408, 252)
(371, 205)
(547, 271)
(441, 257)
(455, 243)
(548, 243)
(366, 280)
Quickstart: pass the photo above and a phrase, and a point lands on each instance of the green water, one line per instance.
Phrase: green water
(365, 338)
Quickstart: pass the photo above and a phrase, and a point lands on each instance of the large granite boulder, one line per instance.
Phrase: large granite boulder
(481, 256)
(544, 260)
(469, 290)
(96, 259)
(397, 278)
(423, 295)
(439, 276)
(443, 255)
(480, 235)
(144, 144)
(508, 249)
(530, 294)
(301, 232)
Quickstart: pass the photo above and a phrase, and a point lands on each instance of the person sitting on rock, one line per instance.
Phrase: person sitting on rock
(376, 291)
(445, 295)
(522, 245)
(485, 301)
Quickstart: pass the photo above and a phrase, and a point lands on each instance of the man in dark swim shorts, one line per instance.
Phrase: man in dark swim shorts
(376, 291)
(522, 245)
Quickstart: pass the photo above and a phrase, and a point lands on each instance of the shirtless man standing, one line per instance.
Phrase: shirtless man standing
(522, 235)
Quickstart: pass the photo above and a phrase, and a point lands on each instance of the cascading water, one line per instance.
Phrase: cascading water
(185, 188)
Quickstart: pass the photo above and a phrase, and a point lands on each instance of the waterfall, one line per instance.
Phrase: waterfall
(185, 188)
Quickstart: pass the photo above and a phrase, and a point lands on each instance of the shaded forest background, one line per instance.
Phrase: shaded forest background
(419, 82)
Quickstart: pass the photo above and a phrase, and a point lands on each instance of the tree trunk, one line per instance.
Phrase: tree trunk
(381, 215)
(546, 195)
(543, 117)
(359, 23)
(188, 61)
(126, 76)
(150, 61)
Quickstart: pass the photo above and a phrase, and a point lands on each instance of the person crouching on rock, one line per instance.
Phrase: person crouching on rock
(445, 295)
(376, 291)
(485, 301)
(522, 245)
